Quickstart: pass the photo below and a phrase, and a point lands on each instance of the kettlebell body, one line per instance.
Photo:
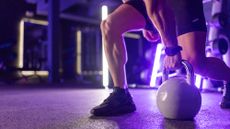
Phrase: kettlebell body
(178, 98)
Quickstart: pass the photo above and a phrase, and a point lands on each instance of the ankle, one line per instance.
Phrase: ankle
(120, 90)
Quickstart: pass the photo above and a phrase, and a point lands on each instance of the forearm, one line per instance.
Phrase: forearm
(163, 19)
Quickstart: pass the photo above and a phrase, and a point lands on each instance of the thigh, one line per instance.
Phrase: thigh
(126, 18)
(191, 28)
(193, 44)
(189, 15)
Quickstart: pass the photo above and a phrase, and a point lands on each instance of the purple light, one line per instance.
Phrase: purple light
(156, 65)
(198, 81)
(105, 71)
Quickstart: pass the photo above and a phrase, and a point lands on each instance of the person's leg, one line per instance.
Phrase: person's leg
(125, 18)
(192, 34)
(192, 37)
(191, 29)
(193, 44)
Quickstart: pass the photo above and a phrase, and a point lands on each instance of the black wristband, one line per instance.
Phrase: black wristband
(171, 51)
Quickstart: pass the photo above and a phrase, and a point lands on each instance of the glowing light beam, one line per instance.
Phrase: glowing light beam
(105, 75)
(156, 65)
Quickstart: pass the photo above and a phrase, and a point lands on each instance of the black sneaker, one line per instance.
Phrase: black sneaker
(225, 102)
(119, 102)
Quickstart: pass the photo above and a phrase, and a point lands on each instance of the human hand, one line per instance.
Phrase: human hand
(150, 35)
(172, 62)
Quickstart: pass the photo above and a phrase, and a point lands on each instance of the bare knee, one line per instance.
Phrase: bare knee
(105, 27)
(109, 29)
(113, 44)
(107, 34)
(110, 34)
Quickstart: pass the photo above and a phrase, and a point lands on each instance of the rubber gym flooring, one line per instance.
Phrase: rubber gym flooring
(68, 108)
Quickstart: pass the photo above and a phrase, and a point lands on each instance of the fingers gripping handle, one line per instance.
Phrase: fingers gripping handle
(189, 72)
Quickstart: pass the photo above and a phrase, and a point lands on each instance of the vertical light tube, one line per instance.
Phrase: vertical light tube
(20, 44)
(156, 65)
(21, 29)
(198, 81)
(104, 12)
(79, 53)
(105, 72)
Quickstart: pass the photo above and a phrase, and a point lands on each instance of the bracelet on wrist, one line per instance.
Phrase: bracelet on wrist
(171, 51)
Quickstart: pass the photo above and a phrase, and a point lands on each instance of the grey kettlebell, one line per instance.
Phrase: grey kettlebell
(178, 97)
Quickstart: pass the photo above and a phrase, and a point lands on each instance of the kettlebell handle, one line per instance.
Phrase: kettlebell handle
(189, 73)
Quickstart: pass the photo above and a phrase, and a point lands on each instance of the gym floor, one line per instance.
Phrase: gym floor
(68, 108)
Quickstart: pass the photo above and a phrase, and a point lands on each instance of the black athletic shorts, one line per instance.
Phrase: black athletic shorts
(189, 14)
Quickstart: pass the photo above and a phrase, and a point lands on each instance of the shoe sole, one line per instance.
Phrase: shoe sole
(119, 111)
